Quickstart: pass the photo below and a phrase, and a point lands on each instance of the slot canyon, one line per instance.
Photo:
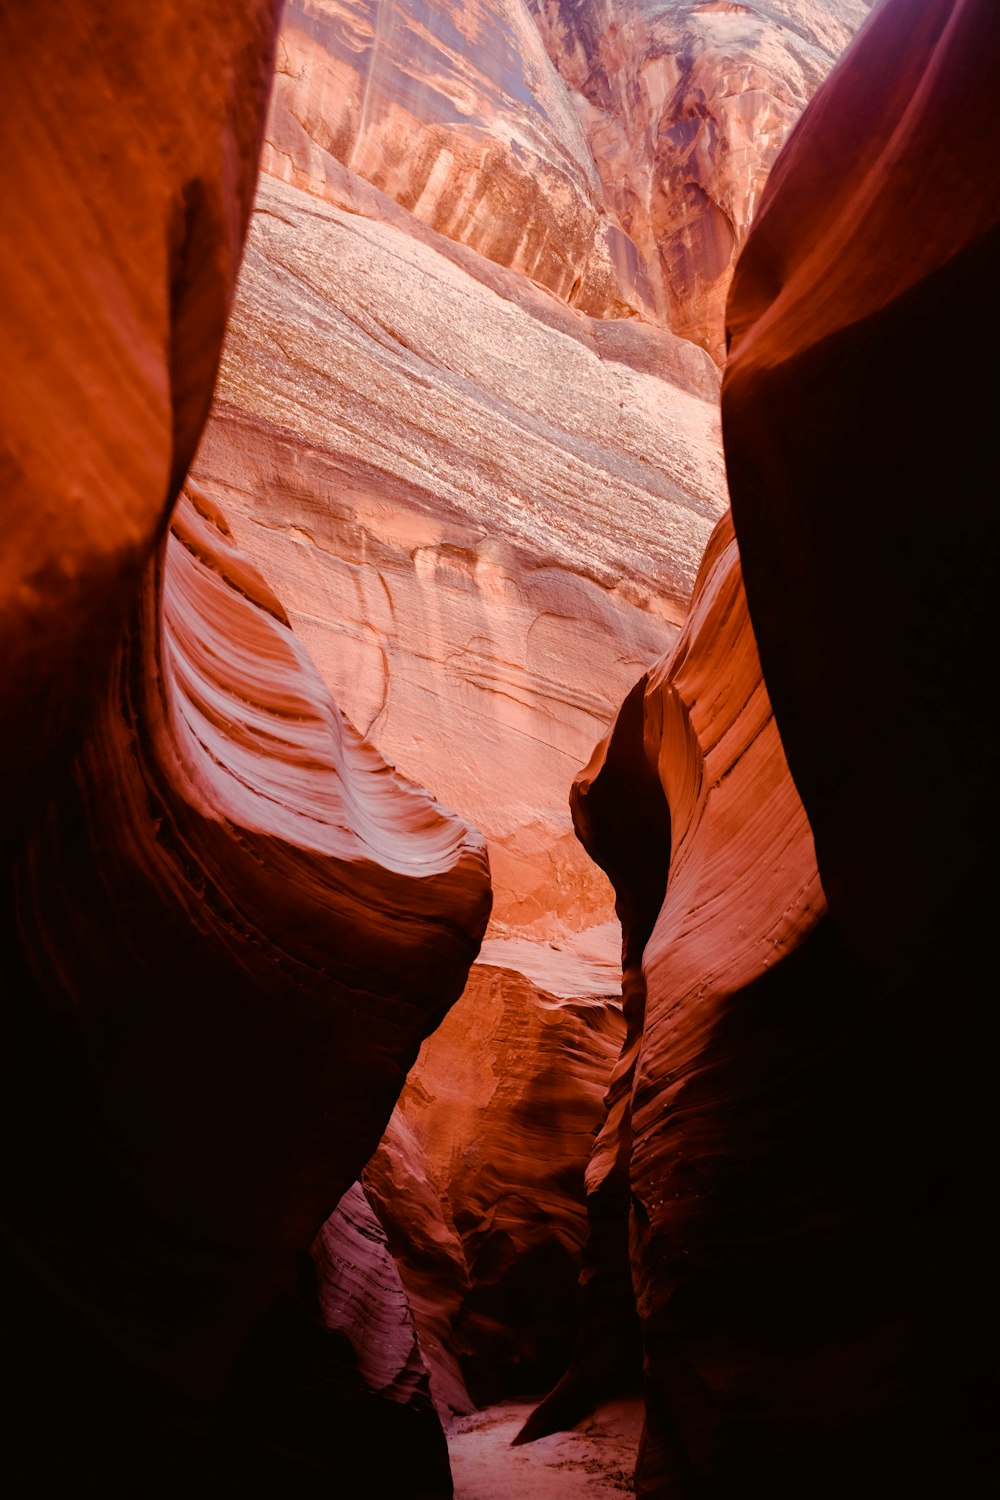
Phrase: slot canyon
(500, 767)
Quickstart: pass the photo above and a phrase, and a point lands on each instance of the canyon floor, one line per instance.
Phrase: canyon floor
(593, 1460)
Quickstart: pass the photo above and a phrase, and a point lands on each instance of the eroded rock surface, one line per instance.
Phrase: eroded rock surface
(484, 510)
(875, 241)
(505, 1100)
(693, 773)
(390, 472)
(809, 1127)
(454, 111)
(227, 924)
(685, 108)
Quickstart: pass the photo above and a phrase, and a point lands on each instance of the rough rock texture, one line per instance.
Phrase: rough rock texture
(685, 107)
(476, 549)
(455, 111)
(484, 511)
(229, 925)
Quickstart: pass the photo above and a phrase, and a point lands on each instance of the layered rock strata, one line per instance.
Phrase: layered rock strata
(391, 473)
(455, 112)
(363, 447)
(505, 1101)
(263, 845)
(227, 924)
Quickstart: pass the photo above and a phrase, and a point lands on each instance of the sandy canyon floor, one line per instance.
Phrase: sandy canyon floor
(593, 1460)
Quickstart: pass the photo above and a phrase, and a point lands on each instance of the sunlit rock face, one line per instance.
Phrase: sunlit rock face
(484, 510)
(477, 569)
(227, 925)
(454, 110)
(685, 107)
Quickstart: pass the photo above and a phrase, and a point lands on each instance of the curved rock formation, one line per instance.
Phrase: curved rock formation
(505, 1101)
(693, 772)
(227, 924)
(428, 1252)
(262, 845)
(115, 303)
(629, 837)
(505, 529)
(875, 252)
(455, 112)
(810, 1126)
(685, 107)
(479, 549)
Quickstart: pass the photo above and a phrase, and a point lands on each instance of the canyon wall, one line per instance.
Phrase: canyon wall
(227, 925)
(454, 432)
(802, 1105)
(483, 507)
(456, 456)
(685, 108)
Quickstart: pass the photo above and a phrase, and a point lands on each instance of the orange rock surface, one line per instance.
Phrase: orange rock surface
(685, 107)
(228, 924)
(804, 1116)
(876, 243)
(453, 109)
(505, 1100)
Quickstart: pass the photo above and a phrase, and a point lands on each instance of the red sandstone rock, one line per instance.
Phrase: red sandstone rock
(455, 111)
(227, 924)
(505, 1101)
(129, 152)
(693, 771)
(811, 1252)
(428, 1252)
(482, 540)
(685, 107)
(260, 844)
(850, 440)
(462, 562)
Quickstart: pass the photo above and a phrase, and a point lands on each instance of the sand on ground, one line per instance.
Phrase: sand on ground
(592, 1461)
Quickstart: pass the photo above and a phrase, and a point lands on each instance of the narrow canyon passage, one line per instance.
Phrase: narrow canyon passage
(500, 771)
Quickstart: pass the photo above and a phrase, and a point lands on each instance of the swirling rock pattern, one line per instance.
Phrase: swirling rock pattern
(361, 446)
(263, 845)
(685, 107)
(227, 924)
(480, 570)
